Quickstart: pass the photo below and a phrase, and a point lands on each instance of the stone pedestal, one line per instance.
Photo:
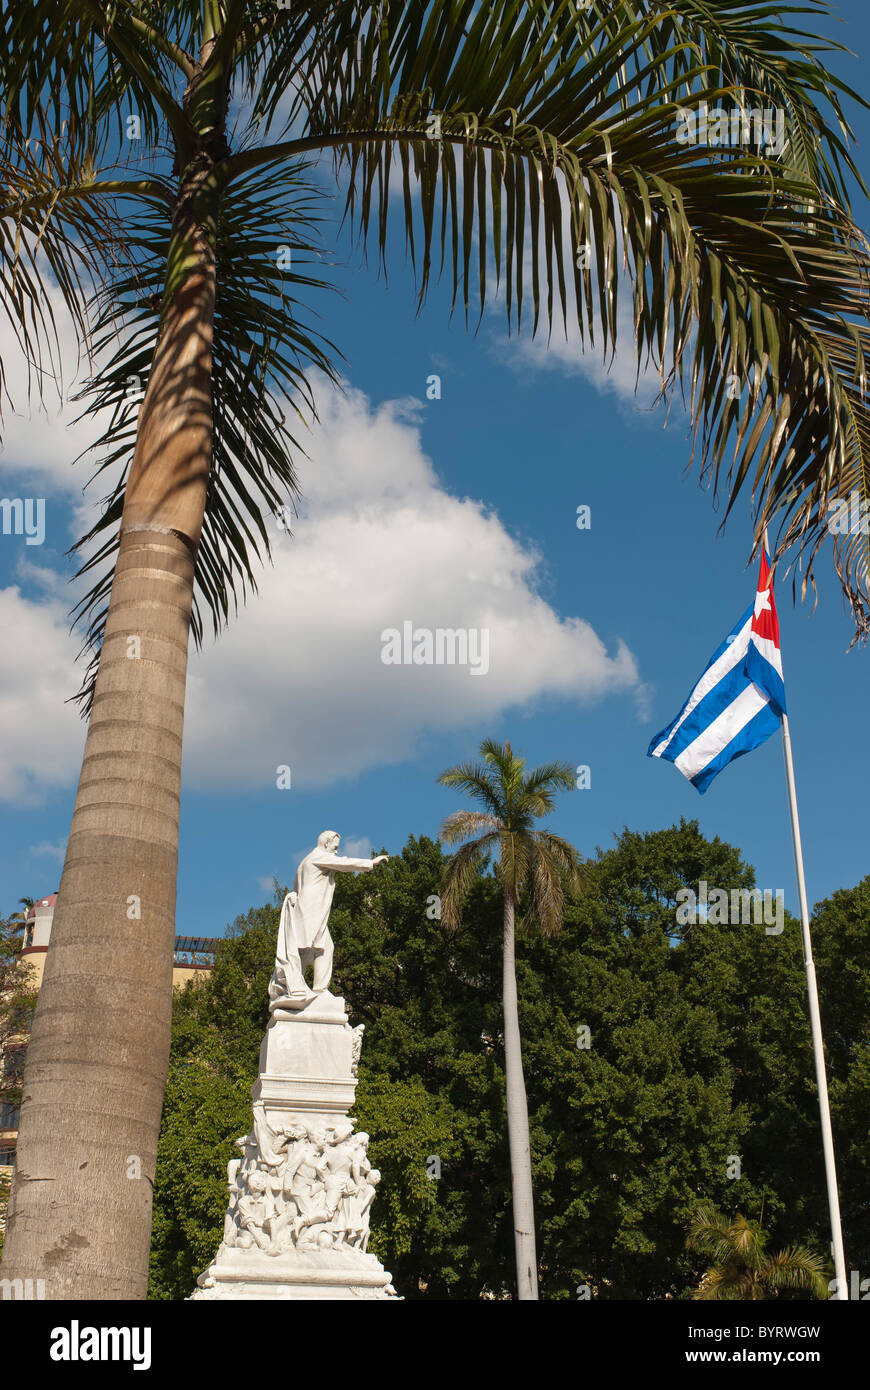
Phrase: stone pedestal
(298, 1217)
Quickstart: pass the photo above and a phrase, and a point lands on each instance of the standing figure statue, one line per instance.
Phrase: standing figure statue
(303, 932)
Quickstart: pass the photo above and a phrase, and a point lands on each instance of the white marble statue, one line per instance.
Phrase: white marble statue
(303, 932)
(300, 1193)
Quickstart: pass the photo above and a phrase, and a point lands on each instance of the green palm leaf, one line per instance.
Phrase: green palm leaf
(746, 274)
(741, 1267)
(266, 353)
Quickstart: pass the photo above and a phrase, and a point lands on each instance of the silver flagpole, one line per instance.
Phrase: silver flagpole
(815, 1018)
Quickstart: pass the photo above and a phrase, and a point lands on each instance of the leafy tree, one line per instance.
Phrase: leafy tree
(530, 866)
(217, 1027)
(431, 1005)
(697, 1080)
(698, 1054)
(742, 1267)
(639, 1114)
(166, 232)
(17, 1002)
(841, 946)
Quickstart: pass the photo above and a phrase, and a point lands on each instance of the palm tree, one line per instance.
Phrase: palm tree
(742, 1268)
(156, 175)
(530, 864)
(20, 917)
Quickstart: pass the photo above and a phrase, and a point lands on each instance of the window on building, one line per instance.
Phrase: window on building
(8, 1115)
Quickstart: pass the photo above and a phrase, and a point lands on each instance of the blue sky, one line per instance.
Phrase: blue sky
(450, 512)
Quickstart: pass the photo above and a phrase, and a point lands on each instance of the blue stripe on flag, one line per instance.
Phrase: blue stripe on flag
(766, 677)
(752, 735)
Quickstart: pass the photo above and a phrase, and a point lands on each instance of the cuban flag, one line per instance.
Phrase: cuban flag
(737, 703)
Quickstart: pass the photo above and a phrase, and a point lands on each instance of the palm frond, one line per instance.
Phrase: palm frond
(509, 771)
(798, 1267)
(88, 64)
(547, 897)
(514, 866)
(539, 789)
(461, 824)
(564, 855)
(710, 1234)
(718, 1284)
(460, 874)
(265, 353)
(556, 131)
(477, 781)
(59, 231)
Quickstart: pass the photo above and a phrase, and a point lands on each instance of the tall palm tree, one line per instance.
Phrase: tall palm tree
(156, 175)
(530, 865)
(741, 1266)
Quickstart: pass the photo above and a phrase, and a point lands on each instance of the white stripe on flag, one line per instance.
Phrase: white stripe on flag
(733, 653)
(711, 741)
(770, 651)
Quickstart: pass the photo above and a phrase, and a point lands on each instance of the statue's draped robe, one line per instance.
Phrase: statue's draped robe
(305, 917)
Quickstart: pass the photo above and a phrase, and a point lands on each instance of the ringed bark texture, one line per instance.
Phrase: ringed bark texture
(80, 1210)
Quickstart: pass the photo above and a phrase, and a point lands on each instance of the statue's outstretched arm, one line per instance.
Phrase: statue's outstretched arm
(339, 864)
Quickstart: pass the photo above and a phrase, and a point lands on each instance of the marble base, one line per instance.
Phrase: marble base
(306, 1062)
(307, 1078)
(314, 1275)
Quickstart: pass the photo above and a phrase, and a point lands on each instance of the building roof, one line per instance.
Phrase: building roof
(48, 901)
(198, 945)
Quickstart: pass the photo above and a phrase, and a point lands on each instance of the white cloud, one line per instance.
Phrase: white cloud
(49, 581)
(41, 737)
(43, 438)
(46, 850)
(360, 847)
(299, 678)
(616, 373)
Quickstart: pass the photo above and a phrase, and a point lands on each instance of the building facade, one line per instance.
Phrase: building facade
(193, 957)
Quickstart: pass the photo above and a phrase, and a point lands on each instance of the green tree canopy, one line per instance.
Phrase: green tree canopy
(699, 1052)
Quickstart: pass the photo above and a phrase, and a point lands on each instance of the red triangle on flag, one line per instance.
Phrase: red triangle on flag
(764, 620)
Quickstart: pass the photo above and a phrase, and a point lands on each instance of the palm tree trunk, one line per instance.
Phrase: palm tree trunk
(80, 1210)
(518, 1121)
